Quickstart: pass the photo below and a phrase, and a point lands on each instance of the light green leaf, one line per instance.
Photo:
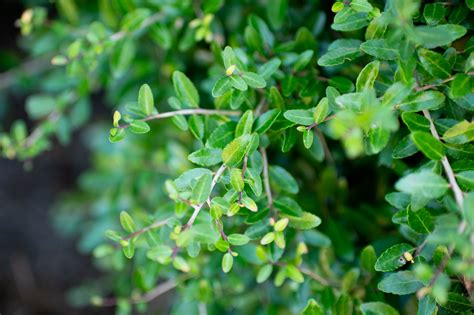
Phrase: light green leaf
(300, 116)
(395, 94)
(236, 180)
(38, 106)
(426, 143)
(392, 258)
(460, 133)
(423, 184)
(185, 89)
(321, 110)
(349, 21)
(264, 273)
(422, 100)
(139, 127)
(468, 209)
(466, 179)
(266, 120)
(305, 221)
(254, 80)
(228, 57)
(222, 85)
(227, 262)
(238, 239)
(238, 83)
(127, 222)
(145, 100)
(367, 76)
(340, 51)
(379, 48)
(206, 157)
(244, 125)
(159, 253)
(361, 5)
(368, 258)
(377, 308)
(235, 151)
(308, 137)
(294, 273)
(201, 189)
(312, 308)
(440, 35)
(400, 283)
(461, 85)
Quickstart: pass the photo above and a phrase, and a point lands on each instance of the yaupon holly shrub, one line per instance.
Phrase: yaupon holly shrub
(234, 123)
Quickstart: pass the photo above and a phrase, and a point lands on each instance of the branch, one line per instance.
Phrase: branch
(155, 225)
(198, 208)
(266, 178)
(430, 86)
(186, 112)
(147, 297)
(458, 195)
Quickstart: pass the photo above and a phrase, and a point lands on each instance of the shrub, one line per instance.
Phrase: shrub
(237, 125)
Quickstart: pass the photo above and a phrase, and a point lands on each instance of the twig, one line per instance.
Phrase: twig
(266, 178)
(147, 297)
(244, 168)
(198, 208)
(430, 86)
(155, 225)
(307, 272)
(194, 111)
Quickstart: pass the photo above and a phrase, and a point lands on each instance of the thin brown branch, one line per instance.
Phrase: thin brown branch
(430, 86)
(155, 225)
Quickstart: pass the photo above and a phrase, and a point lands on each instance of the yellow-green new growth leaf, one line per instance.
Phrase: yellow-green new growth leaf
(426, 143)
(245, 123)
(236, 180)
(460, 133)
(235, 151)
(127, 222)
(321, 110)
(145, 99)
(367, 76)
(227, 262)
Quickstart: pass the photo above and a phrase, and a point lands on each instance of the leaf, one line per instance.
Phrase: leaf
(367, 76)
(277, 12)
(281, 180)
(395, 94)
(427, 306)
(238, 83)
(288, 206)
(380, 49)
(254, 80)
(434, 13)
(235, 151)
(426, 143)
(377, 139)
(416, 122)
(236, 180)
(424, 184)
(434, 63)
(227, 262)
(303, 60)
(196, 126)
(308, 137)
(312, 308)
(203, 233)
(185, 89)
(222, 86)
(457, 303)
(126, 222)
(461, 85)
(201, 189)
(406, 147)
(269, 68)
(321, 111)
(440, 35)
(244, 125)
(339, 52)
(400, 283)
(238, 239)
(145, 100)
(460, 133)
(468, 209)
(264, 273)
(377, 308)
(206, 157)
(361, 5)
(266, 120)
(420, 221)
(368, 258)
(222, 135)
(228, 57)
(300, 116)
(159, 253)
(466, 179)
(139, 127)
(305, 221)
(351, 21)
(422, 100)
(392, 258)
(294, 273)
(38, 106)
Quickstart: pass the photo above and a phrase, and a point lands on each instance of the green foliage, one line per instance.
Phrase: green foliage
(242, 199)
